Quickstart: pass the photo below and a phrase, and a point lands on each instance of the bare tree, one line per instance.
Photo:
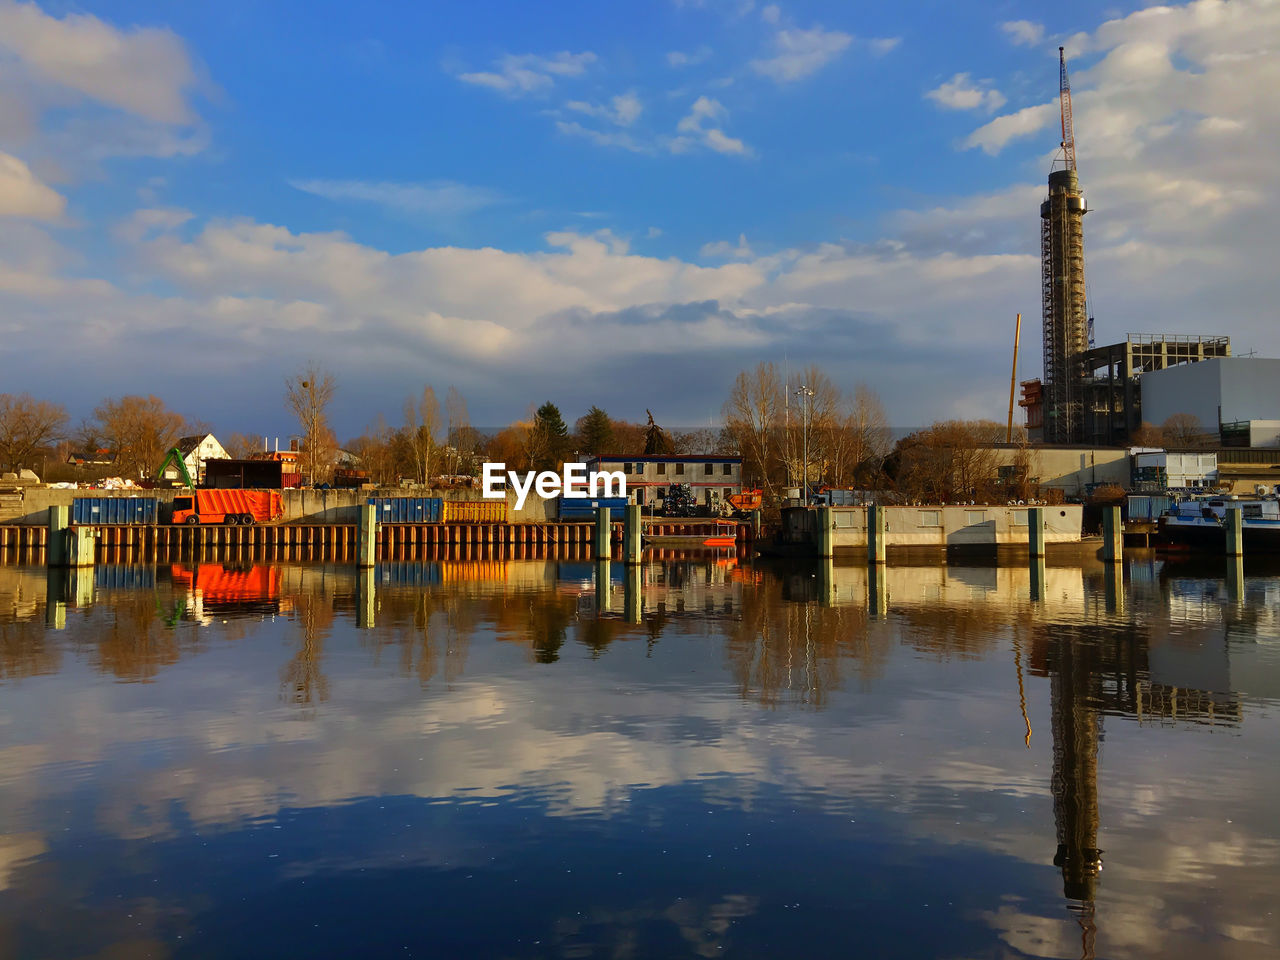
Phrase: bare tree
(950, 460)
(26, 426)
(752, 417)
(141, 430)
(421, 429)
(308, 395)
(1147, 435)
(463, 438)
(1184, 430)
(240, 445)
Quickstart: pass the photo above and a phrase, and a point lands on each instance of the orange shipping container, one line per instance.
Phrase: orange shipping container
(474, 511)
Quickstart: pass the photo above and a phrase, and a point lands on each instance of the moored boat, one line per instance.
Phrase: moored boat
(1201, 524)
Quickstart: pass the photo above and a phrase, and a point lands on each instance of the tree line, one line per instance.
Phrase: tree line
(796, 430)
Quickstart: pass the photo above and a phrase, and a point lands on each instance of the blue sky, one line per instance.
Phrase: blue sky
(614, 203)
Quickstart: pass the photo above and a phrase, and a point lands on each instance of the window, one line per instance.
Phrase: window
(708, 469)
(972, 517)
(1019, 518)
(182, 503)
(639, 468)
(728, 469)
(679, 469)
(626, 468)
(930, 518)
(662, 469)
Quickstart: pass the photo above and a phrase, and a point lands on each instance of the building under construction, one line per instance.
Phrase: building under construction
(1087, 395)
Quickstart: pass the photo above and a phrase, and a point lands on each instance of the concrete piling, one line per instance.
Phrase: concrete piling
(368, 534)
(603, 583)
(1235, 532)
(632, 546)
(827, 582)
(1235, 578)
(367, 596)
(603, 534)
(1035, 531)
(877, 591)
(58, 535)
(1037, 578)
(1112, 535)
(825, 519)
(1113, 584)
(875, 534)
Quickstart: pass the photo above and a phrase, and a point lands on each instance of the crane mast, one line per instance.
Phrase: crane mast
(1064, 95)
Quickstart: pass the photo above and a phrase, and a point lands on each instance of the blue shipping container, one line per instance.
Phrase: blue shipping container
(584, 508)
(104, 511)
(408, 574)
(407, 509)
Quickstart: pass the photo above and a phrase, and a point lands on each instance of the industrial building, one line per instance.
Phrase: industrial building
(1234, 395)
(649, 475)
(1087, 394)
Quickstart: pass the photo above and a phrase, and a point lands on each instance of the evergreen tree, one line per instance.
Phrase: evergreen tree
(656, 440)
(595, 431)
(553, 436)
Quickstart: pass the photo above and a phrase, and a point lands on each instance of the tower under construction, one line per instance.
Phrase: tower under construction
(1066, 314)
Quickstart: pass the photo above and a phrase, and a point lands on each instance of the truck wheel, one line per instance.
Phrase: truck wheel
(246, 519)
(192, 520)
(231, 519)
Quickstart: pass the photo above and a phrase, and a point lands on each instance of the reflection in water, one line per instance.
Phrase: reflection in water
(695, 756)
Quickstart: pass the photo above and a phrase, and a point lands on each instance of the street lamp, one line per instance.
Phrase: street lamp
(805, 396)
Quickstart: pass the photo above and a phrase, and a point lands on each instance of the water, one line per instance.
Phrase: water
(487, 759)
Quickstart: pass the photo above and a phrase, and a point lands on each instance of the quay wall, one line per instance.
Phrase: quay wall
(300, 506)
(935, 526)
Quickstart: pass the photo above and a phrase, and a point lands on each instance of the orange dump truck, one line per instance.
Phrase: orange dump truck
(228, 506)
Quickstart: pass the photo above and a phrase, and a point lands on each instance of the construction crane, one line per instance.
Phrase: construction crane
(1064, 95)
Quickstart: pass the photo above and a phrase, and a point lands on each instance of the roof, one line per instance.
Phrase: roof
(187, 444)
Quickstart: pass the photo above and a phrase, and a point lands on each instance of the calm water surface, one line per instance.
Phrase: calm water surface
(489, 759)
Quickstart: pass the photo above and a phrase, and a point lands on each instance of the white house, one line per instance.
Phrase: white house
(195, 451)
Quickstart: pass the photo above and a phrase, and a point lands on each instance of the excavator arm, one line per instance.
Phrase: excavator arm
(175, 456)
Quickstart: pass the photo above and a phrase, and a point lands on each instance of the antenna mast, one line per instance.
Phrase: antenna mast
(1064, 95)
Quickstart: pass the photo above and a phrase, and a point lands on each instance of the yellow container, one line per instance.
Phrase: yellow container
(489, 571)
(474, 511)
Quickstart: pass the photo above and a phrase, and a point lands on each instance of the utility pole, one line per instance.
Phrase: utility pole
(806, 396)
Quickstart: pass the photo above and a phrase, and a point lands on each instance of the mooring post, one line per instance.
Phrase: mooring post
(757, 519)
(1112, 535)
(58, 549)
(825, 520)
(55, 597)
(601, 545)
(875, 534)
(1035, 531)
(368, 551)
(632, 545)
(1037, 579)
(1235, 532)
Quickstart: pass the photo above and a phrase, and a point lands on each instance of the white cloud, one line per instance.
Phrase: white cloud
(437, 198)
(150, 221)
(522, 73)
(680, 58)
(992, 137)
(1023, 32)
(603, 138)
(700, 126)
(144, 71)
(961, 93)
(23, 195)
(724, 250)
(623, 110)
(800, 53)
(771, 13)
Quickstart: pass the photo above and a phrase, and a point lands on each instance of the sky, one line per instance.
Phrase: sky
(622, 204)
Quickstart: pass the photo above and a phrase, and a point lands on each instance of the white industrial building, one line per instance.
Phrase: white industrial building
(1243, 392)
